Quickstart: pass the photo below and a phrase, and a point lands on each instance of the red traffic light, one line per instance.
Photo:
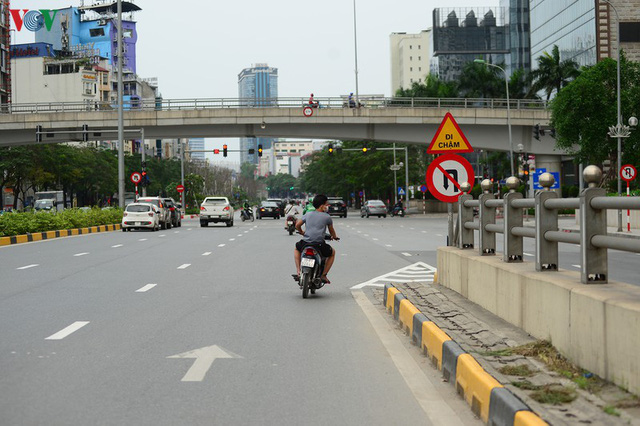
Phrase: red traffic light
(224, 150)
(216, 151)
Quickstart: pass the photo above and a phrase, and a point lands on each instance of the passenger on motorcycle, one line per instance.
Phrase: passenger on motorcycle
(316, 224)
(292, 209)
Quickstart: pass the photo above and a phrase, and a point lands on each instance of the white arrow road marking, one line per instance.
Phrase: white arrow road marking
(80, 254)
(67, 330)
(146, 288)
(184, 266)
(430, 399)
(29, 266)
(117, 245)
(206, 253)
(417, 272)
(221, 245)
(204, 358)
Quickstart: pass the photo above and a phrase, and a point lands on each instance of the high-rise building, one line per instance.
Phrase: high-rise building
(571, 25)
(459, 37)
(517, 23)
(607, 29)
(5, 62)
(410, 59)
(257, 87)
(196, 144)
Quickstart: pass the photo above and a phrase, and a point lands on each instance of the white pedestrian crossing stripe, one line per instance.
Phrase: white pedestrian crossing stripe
(417, 272)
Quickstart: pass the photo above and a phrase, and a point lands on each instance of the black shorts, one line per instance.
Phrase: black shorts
(325, 249)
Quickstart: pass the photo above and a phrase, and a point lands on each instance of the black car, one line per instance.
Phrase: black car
(281, 204)
(174, 211)
(337, 207)
(268, 209)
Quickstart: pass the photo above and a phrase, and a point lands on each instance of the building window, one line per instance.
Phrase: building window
(411, 58)
(410, 47)
(96, 32)
(629, 32)
(410, 68)
(419, 58)
(411, 80)
(419, 68)
(418, 46)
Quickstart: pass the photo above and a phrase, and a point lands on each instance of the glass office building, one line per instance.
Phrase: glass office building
(569, 24)
(257, 87)
(517, 23)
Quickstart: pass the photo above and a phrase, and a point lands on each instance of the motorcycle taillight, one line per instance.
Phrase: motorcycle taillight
(310, 252)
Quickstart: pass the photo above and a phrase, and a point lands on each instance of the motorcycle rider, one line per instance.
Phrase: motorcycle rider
(316, 224)
(397, 207)
(247, 209)
(292, 209)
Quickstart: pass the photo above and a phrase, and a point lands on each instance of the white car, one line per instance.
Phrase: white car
(140, 215)
(216, 209)
(165, 214)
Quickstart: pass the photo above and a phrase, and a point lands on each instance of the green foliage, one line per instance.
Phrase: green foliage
(432, 87)
(280, 185)
(582, 112)
(552, 74)
(30, 222)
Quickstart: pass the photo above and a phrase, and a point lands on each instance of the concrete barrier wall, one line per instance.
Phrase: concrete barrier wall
(595, 326)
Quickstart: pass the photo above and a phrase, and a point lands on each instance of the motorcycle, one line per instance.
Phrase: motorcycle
(290, 224)
(312, 266)
(397, 211)
(247, 214)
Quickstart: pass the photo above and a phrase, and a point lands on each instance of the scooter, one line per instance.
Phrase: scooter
(247, 214)
(291, 224)
(312, 266)
(397, 211)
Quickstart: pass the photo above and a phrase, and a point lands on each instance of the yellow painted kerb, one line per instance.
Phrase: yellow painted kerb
(391, 293)
(432, 339)
(528, 418)
(407, 311)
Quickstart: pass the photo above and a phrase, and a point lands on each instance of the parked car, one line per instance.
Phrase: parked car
(216, 209)
(140, 215)
(337, 207)
(268, 209)
(174, 211)
(373, 208)
(281, 204)
(165, 214)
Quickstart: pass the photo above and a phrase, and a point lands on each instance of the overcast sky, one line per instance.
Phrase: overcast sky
(196, 48)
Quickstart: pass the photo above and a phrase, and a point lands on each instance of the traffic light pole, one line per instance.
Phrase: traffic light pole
(120, 112)
(182, 173)
(144, 158)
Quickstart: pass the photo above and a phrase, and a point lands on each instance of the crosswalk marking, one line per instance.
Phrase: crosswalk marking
(417, 272)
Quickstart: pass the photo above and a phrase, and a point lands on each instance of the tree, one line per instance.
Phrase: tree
(432, 87)
(582, 112)
(481, 81)
(552, 73)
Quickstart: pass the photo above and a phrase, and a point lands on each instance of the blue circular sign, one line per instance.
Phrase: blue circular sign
(424, 188)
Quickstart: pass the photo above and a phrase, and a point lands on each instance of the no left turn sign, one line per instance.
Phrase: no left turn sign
(445, 175)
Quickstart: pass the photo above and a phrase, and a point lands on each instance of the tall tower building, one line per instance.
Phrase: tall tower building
(410, 58)
(257, 87)
(5, 62)
(517, 23)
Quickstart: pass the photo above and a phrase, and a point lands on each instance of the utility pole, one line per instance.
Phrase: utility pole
(144, 158)
(120, 113)
(181, 171)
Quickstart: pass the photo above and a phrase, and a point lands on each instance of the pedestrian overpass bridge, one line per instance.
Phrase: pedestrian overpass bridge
(404, 120)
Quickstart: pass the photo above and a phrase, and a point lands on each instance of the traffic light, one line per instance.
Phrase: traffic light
(260, 150)
(38, 133)
(291, 188)
(365, 149)
(85, 133)
(330, 149)
(145, 179)
(224, 150)
(216, 151)
(536, 131)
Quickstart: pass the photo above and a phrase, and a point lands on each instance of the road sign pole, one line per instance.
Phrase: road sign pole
(144, 157)
(628, 212)
(395, 181)
(136, 193)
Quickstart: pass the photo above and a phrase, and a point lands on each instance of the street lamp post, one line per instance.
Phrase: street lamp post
(355, 42)
(619, 124)
(506, 84)
(120, 113)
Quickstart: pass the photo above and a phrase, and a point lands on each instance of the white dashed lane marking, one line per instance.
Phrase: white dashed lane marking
(80, 254)
(406, 254)
(68, 330)
(221, 245)
(388, 245)
(163, 235)
(206, 253)
(29, 266)
(146, 288)
(576, 266)
(142, 239)
(184, 266)
(528, 254)
(117, 245)
(232, 239)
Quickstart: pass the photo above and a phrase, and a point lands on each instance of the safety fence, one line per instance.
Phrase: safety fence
(373, 102)
(592, 236)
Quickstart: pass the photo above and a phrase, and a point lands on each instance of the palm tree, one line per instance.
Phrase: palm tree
(552, 73)
(480, 81)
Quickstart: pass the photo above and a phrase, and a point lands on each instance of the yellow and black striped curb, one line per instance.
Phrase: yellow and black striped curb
(492, 402)
(48, 235)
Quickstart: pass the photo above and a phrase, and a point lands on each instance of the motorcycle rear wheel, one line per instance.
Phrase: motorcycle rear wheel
(305, 281)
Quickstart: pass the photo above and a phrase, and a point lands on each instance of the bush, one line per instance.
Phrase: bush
(29, 222)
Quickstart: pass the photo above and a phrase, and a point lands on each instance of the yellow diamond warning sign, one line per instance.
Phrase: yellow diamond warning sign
(449, 138)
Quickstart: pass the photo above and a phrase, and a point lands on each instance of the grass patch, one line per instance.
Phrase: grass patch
(611, 410)
(501, 352)
(517, 370)
(554, 394)
(526, 385)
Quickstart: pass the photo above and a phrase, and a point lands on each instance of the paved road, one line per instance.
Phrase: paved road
(101, 329)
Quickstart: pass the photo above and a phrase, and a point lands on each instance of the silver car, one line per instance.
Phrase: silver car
(373, 208)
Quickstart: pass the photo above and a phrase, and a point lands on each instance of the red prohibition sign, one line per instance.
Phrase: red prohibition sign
(307, 111)
(136, 178)
(445, 174)
(628, 172)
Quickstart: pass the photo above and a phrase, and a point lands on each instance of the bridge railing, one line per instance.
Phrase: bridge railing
(592, 236)
(215, 103)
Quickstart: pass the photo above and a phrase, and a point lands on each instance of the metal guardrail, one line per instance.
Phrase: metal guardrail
(592, 236)
(332, 102)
